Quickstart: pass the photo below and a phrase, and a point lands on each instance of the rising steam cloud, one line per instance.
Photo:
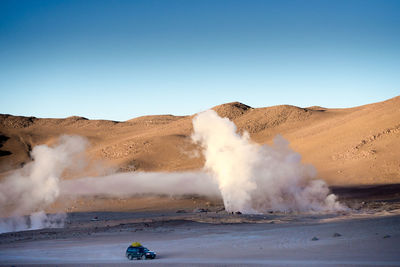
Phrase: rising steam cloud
(130, 184)
(254, 178)
(28, 191)
(250, 178)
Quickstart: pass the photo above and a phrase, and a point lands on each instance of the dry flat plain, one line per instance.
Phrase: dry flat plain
(367, 235)
(356, 150)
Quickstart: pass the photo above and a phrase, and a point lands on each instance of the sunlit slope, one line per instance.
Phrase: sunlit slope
(358, 145)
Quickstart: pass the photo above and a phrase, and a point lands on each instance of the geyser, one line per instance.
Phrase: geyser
(250, 178)
(34, 187)
(257, 178)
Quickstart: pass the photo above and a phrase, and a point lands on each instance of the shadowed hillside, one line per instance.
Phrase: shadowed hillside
(358, 145)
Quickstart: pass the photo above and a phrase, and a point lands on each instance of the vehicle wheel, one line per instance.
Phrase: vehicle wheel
(143, 257)
(130, 257)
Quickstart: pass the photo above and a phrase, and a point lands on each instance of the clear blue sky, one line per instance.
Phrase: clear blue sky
(121, 59)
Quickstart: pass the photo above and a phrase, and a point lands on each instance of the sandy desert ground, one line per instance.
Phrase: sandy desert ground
(366, 235)
(183, 242)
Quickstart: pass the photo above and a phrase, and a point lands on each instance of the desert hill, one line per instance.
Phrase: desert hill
(358, 145)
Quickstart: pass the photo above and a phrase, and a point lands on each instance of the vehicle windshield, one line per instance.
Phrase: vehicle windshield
(138, 249)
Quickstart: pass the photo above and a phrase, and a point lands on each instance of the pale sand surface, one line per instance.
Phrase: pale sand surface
(369, 235)
(185, 242)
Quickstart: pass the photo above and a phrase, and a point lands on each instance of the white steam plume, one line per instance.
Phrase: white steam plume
(34, 187)
(34, 221)
(254, 178)
(250, 178)
(136, 183)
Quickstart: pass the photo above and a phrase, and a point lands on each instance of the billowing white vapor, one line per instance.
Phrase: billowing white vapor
(256, 178)
(137, 183)
(34, 187)
(251, 178)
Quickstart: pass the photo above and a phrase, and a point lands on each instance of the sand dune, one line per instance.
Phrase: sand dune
(358, 145)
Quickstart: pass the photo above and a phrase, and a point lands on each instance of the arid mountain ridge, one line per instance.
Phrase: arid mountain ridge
(359, 145)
